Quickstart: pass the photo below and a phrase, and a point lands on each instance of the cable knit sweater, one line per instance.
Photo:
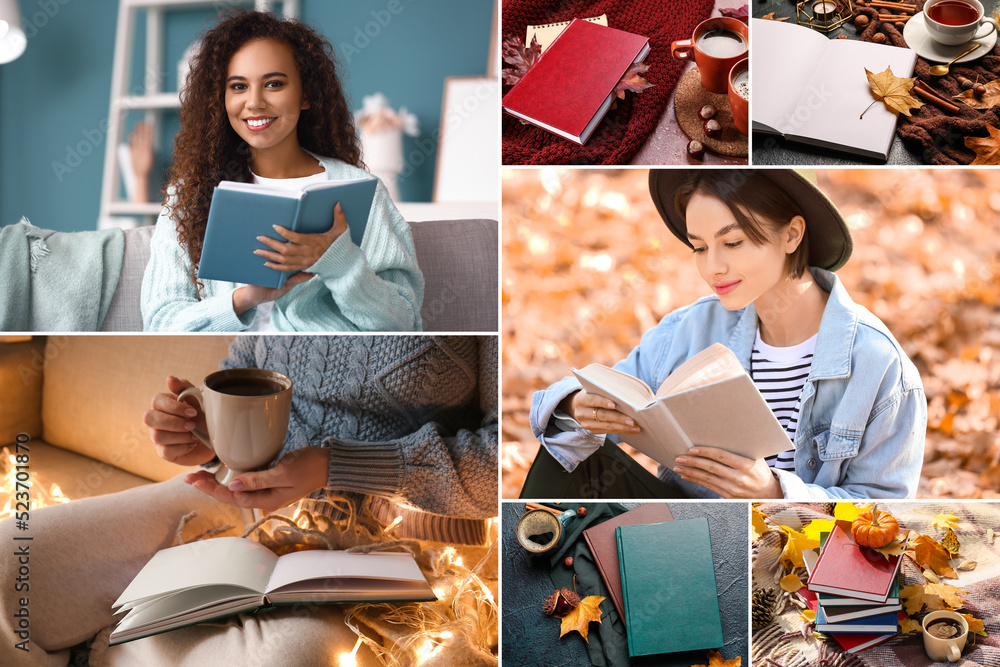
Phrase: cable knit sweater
(377, 287)
(412, 419)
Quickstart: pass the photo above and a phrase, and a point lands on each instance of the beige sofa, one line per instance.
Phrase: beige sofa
(80, 399)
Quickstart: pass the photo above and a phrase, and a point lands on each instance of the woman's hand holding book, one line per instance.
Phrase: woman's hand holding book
(730, 475)
(597, 414)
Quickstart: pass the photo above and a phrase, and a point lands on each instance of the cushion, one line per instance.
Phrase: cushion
(459, 261)
(97, 388)
(21, 366)
(124, 313)
(76, 476)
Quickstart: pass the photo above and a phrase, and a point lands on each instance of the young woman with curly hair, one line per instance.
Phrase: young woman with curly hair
(263, 104)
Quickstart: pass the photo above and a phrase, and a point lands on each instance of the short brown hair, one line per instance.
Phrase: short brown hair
(760, 207)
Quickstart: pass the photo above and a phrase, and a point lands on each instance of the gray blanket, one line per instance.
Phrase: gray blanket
(57, 281)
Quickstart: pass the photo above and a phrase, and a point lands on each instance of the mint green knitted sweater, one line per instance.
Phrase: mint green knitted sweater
(377, 287)
(412, 420)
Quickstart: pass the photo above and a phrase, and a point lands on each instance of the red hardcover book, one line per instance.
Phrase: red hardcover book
(844, 568)
(570, 88)
(604, 546)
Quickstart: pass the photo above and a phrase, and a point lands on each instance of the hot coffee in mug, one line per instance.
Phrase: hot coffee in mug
(955, 22)
(246, 415)
(722, 43)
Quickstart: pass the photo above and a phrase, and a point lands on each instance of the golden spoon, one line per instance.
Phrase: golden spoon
(941, 70)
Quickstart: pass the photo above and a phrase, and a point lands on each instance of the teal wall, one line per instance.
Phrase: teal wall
(54, 98)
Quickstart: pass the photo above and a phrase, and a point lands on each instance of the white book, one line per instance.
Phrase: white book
(812, 89)
(200, 581)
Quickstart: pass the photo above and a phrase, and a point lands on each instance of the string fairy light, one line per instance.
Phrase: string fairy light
(350, 659)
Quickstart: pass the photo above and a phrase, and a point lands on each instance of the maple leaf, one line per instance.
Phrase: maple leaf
(892, 90)
(895, 548)
(770, 17)
(975, 625)
(759, 525)
(931, 596)
(987, 100)
(715, 660)
(817, 526)
(987, 149)
(908, 625)
(580, 618)
(792, 553)
(741, 13)
(928, 552)
(946, 520)
(950, 542)
(846, 512)
(521, 58)
(632, 81)
(791, 583)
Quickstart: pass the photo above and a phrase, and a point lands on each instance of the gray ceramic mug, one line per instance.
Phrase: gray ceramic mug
(246, 414)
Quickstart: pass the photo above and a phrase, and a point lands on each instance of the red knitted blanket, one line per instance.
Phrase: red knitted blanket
(938, 136)
(627, 127)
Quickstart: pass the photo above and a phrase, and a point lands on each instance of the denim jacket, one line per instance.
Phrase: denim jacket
(863, 414)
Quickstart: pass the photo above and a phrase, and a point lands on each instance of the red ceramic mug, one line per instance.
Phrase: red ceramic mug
(739, 94)
(715, 46)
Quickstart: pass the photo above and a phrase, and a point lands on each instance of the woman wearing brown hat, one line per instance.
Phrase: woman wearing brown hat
(767, 242)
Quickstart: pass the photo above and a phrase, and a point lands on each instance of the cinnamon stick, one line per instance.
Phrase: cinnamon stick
(536, 506)
(925, 91)
(899, 6)
(891, 18)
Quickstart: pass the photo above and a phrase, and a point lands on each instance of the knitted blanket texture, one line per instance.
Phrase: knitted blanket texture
(936, 135)
(623, 130)
(781, 644)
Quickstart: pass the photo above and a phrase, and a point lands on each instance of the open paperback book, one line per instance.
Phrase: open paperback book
(813, 90)
(200, 581)
(708, 400)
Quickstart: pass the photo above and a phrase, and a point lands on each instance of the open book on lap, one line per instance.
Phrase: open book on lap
(200, 581)
(708, 400)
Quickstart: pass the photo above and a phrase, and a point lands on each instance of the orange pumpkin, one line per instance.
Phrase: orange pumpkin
(874, 529)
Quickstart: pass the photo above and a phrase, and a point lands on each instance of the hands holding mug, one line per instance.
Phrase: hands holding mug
(243, 418)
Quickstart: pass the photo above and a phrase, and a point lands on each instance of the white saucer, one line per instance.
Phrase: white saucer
(917, 38)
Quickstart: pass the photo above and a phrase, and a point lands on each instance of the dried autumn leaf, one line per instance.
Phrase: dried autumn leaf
(846, 512)
(715, 660)
(931, 597)
(817, 526)
(582, 616)
(770, 17)
(967, 566)
(521, 58)
(987, 149)
(759, 525)
(945, 520)
(632, 81)
(908, 625)
(808, 615)
(893, 91)
(791, 583)
(976, 626)
(741, 13)
(989, 535)
(950, 542)
(987, 100)
(931, 577)
(895, 548)
(928, 552)
(797, 542)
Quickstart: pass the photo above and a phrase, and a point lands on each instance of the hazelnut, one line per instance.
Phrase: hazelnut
(695, 149)
(707, 112)
(879, 38)
(861, 21)
(979, 90)
(841, 36)
(582, 511)
(568, 561)
(712, 129)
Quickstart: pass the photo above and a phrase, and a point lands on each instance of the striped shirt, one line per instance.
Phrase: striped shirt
(779, 374)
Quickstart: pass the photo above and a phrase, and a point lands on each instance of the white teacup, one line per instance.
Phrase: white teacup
(954, 22)
(246, 414)
(949, 649)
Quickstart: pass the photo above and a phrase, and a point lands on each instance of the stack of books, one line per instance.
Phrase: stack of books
(854, 591)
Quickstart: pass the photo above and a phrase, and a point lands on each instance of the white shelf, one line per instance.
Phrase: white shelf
(157, 101)
(134, 208)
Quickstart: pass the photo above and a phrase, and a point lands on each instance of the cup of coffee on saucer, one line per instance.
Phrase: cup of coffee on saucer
(739, 94)
(715, 46)
(246, 416)
(955, 22)
(945, 633)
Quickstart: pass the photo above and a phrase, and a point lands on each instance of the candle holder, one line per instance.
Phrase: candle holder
(823, 15)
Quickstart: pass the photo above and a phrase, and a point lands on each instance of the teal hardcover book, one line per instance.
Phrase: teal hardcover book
(241, 212)
(668, 587)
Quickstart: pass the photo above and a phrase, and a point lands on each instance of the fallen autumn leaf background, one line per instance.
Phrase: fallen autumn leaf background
(588, 266)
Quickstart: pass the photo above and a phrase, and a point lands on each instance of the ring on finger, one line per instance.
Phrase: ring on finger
(595, 415)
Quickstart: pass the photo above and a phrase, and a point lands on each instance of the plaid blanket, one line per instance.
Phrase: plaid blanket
(781, 643)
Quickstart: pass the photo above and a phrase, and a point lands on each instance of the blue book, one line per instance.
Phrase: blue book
(883, 623)
(241, 212)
